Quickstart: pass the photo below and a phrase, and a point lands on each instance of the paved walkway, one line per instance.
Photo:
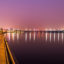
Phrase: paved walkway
(2, 50)
(4, 54)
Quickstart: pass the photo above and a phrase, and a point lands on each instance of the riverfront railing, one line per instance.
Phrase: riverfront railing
(9, 57)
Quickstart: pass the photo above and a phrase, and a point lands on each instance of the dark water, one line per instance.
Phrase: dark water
(37, 47)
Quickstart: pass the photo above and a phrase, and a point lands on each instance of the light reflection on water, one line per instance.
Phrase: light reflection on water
(62, 37)
(46, 36)
(54, 37)
(51, 37)
(35, 45)
(18, 36)
(58, 37)
(34, 35)
(13, 36)
(30, 36)
(8, 35)
(25, 36)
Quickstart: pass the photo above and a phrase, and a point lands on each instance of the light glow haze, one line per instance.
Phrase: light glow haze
(32, 14)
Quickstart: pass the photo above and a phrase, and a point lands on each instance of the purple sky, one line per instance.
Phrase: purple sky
(31, 13)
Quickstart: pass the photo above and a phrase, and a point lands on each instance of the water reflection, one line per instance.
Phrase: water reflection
(30, 45)
(62, 37)
(34, 35)
(30, 36)
(13, 36)
(17, 36)
(54, 37)
(46, 36)
(26, 36)
(58, 37)
(49, 37)
(8, 35)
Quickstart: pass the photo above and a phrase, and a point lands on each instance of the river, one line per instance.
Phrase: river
(37, 47)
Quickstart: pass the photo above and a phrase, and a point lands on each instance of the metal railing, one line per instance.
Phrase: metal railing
(9, 57)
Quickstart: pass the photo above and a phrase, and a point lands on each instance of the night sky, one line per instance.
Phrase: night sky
(32, 13)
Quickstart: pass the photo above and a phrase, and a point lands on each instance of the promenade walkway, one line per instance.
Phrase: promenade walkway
(5, 54)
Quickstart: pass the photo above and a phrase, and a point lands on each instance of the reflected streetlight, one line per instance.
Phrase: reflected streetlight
(54, 37)
(50, 36)
(30, 36)
(58, 37)
(46, 36)
(34, 35)
(62, 37)
(25, 36)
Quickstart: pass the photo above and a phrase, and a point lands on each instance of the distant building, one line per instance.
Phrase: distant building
(1, 30)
